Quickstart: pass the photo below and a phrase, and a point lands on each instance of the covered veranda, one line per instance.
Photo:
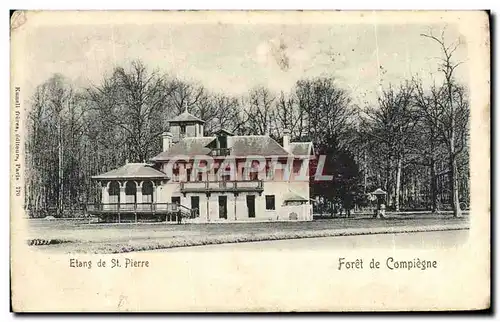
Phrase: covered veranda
(130, 193)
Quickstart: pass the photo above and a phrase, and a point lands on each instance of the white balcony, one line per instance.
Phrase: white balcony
(223, 186)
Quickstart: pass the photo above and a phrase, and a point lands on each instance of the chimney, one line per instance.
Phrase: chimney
(286, 140)
(167, 140)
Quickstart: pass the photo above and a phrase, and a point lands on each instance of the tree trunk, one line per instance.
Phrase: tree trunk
(434, 196)
(387, 181)
(457, 212)
(453, 161)
(398, 182)
(365, 174)
(60, 172)
(414, 196)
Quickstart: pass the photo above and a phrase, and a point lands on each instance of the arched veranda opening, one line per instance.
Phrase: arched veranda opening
(147, 192)
(130, 192)
(114, 192)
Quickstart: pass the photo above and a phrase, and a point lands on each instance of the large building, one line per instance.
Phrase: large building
(216, 178)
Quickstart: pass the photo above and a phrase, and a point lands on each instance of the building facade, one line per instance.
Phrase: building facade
(218, 178)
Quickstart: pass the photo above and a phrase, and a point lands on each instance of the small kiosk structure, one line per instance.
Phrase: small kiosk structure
(381, 196)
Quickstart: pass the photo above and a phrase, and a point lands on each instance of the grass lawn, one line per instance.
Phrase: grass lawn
(82, 237)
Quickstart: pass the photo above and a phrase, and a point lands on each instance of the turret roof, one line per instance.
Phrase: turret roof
(186, 117)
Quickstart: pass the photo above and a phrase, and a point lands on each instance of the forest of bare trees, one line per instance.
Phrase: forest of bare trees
(412, 142)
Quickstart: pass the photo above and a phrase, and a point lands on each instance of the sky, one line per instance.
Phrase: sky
(234, 58)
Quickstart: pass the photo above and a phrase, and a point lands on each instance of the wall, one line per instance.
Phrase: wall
(303, 212)
(278, 189)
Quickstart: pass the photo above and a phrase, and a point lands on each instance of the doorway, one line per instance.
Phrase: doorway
(223, 207)
(173, 216)
(195, 205)
(251, 206)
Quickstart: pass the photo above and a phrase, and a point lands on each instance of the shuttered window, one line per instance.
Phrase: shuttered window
(270, 202)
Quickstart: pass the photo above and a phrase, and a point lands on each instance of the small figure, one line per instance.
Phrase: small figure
(382, 210)
(348, 203)
(380, 195)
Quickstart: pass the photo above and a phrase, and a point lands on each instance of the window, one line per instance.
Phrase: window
(188, 175)
(224, 175)
(270, 202)
(254, 176)
(175, 175)
(222, 141)
(296, 167)
(200, 176)
(183, 129)
(249, 174)
(270, 173)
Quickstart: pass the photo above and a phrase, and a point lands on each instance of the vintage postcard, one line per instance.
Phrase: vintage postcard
(250, 161)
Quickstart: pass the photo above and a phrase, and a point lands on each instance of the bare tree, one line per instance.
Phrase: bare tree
(431, 146)
(60, 99)
(325, 113)
(133, 100)
(327, 108)
(391, 127)
(35, 147)
(222, 111)
(289, 115)
(259, 115)
(185, 96)
(454, 107)
(53, 125)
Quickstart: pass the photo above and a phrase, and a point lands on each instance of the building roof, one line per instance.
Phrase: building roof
(301, 148)
(240, 146)
(132, 170)
(186, 117)
(379, 192)
(292, 196)
(224, 131)
(190, 146)
(255, 145)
